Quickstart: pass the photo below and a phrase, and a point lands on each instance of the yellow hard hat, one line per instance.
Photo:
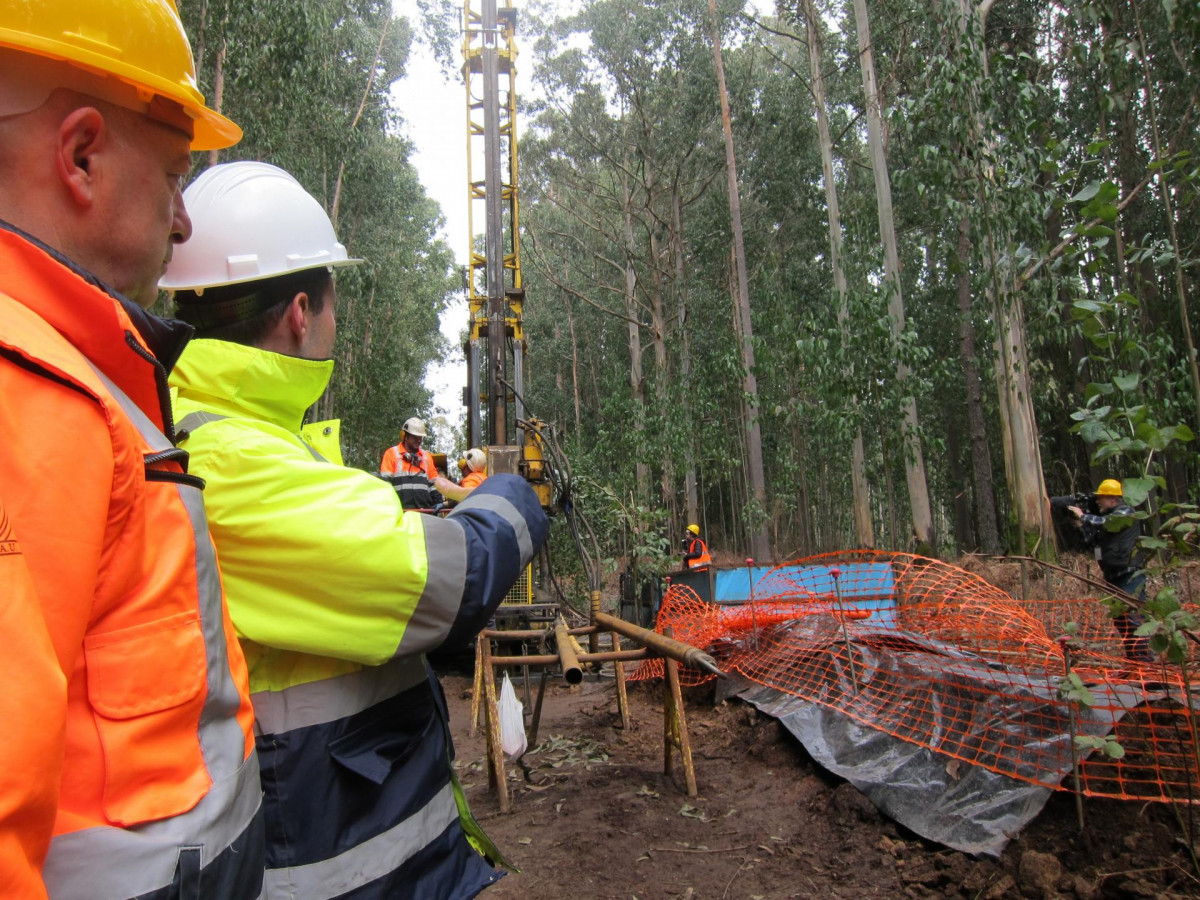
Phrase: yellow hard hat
(694, 529)
(139, 47)
(1110, 487)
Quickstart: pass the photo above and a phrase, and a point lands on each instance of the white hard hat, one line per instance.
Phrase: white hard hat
(250, 221)
(414, 426)
(476, 459)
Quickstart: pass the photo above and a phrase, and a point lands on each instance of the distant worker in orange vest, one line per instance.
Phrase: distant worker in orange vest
(476, 468)
(695, 551)
(408, 457)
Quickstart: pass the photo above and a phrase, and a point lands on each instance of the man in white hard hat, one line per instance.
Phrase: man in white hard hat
(335, 590)
(127, 766)
(476, 468)
(408, 457)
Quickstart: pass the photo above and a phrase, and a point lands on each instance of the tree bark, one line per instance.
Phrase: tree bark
(914, 461)
(981, 453)
(214, 156)
(760, 544)
(691, 497)
(636, 377)
(864, 528)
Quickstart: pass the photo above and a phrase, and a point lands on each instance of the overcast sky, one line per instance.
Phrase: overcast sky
(435, 113)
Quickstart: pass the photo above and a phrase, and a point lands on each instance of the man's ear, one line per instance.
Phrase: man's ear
(299, 316)
(82, 136)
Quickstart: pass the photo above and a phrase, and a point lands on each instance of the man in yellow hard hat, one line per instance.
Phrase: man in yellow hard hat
(695, 551)
(1120, 562)
(127, 767)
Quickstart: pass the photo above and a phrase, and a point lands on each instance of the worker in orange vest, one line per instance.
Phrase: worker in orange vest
(695, 551)
(475, 461)
(408, 457)
(127, 767)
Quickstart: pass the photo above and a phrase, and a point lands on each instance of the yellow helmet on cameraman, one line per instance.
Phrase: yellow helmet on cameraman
(1110, 487)
(693, 529)
(134, 55)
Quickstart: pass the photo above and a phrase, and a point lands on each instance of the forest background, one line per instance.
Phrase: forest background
(934, 263)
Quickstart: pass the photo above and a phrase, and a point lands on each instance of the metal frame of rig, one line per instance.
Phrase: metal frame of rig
(495, 346)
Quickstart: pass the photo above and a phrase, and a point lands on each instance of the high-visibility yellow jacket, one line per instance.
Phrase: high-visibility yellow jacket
(336, 593)
(126, 762)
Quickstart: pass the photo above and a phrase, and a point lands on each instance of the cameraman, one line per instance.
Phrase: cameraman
(1116, 552)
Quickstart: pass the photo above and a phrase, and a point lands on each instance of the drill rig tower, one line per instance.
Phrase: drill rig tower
(496, 343)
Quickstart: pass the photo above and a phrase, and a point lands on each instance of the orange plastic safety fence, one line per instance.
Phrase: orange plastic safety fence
(830, 629)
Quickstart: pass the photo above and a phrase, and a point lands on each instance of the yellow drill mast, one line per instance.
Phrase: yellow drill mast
(496, 344)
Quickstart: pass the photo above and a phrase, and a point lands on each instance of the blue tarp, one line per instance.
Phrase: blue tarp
(863, 586)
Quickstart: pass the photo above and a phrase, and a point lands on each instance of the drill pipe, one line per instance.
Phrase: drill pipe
(572, 672)
(661, 644)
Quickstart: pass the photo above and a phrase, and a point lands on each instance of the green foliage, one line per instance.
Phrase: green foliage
(1169, 627)
(308, 82)
(1072, 688)
(1106, 745)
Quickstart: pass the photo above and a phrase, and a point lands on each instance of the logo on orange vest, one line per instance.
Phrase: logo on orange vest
(8, 537)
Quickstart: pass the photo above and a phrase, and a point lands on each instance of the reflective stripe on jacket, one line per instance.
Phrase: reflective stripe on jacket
(394, 463)
(127, 767)
(336, 592)
(697, 554)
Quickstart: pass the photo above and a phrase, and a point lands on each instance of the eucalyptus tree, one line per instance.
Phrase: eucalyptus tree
(759, 540)
(806, 12)
(914, 460)
(309, 83)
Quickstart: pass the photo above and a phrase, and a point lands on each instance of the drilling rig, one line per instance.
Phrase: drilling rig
(495, 345)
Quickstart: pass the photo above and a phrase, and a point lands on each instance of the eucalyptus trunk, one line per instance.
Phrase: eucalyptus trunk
(864, 528)
(981, 453)
(1019, 430)
(636, 377)
(914, 460)
(760, 543)
(691, 495)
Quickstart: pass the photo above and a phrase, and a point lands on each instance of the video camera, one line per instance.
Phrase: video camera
(1070, 537)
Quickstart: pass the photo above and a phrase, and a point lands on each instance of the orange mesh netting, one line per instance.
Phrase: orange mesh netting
(937, 656)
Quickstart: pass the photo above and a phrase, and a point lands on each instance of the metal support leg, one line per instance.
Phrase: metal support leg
(537, 709)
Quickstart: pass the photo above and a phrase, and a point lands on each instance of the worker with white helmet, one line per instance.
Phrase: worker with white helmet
(335, 590)
(476, 468)
(127, 766)
(408, 456)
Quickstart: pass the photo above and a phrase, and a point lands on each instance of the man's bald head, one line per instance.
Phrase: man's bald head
(99, 183)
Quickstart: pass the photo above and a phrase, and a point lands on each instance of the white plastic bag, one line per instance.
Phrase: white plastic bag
(512, 721)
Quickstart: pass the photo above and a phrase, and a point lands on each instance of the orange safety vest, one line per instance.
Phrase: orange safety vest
(701, 561)
(127, 762)
(473, 479)
(394, 463)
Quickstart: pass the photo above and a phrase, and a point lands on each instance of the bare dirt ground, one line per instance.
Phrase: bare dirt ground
(593, 816)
